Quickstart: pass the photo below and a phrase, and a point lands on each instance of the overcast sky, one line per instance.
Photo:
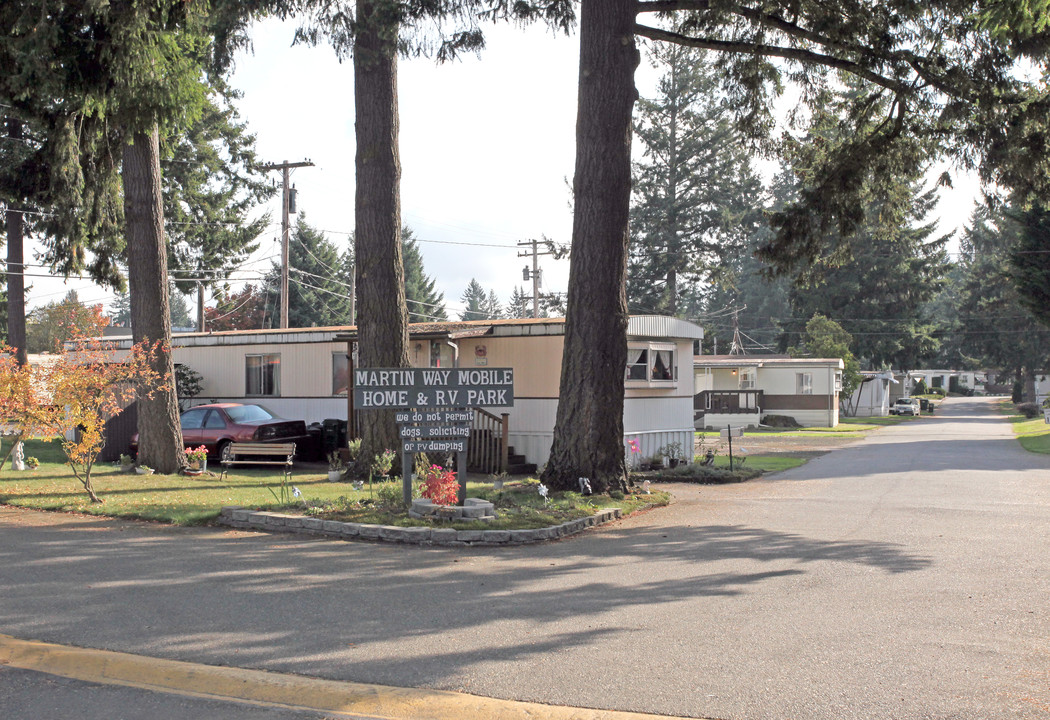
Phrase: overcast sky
(487, 150)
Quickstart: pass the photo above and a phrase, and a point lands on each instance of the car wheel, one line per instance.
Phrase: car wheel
(224, 452)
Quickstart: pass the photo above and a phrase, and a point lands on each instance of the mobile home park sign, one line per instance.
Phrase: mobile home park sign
(433, 407)
(420, 388)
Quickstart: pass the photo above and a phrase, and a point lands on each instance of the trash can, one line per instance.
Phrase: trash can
(333, 435)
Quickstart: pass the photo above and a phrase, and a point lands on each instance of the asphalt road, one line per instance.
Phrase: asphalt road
(904, 576)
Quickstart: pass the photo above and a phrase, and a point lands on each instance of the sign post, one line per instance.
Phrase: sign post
(433, 408)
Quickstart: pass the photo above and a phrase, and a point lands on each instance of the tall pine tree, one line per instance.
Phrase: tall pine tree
(317, 294)
(696, 198)
(425, 302)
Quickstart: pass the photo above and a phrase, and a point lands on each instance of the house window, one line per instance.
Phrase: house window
(262, 375)
(747, 378)
(838, 381)
(340, 373)
(653, 363)
(804, 383)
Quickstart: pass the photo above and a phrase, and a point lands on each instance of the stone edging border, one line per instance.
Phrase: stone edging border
(239, 517)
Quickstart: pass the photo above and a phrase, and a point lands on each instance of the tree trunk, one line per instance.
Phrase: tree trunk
(160, 435)
(588, 434)
(381, 310)
(16, 287)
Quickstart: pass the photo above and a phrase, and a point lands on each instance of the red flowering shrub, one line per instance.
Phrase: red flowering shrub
(439, 486)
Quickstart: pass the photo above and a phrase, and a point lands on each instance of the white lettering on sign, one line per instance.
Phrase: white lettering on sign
(486, 377)
(446, 397)
(384, 398)
(486, 397)
(381, 378)
(436, 377)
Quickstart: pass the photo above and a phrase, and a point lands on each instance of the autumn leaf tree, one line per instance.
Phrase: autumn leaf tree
(88, 386)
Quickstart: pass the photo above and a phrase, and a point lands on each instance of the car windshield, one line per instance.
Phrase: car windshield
(248, 413)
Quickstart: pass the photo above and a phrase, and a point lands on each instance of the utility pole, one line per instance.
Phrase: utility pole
(535, 275)
(286, 204)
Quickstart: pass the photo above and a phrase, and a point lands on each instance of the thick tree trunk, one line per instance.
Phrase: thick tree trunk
(160, 435)
(16, 288)
(381, 310)
(588, 434)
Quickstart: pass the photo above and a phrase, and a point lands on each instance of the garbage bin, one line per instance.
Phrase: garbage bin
(329, 435)
(333, 435)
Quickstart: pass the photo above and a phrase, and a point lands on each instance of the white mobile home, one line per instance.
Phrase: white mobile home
(303, 373)
(872, 397)
(743, 389)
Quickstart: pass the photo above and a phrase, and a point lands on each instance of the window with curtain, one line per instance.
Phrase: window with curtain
(651, 363)
(340, 373)
(804, 383)
(637, 363)
(262, 375)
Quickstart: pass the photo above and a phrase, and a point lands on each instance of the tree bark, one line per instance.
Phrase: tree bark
(588, 433)
(382, 324)
(16, 288)
(160, 435)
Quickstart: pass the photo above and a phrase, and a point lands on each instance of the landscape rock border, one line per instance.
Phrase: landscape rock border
(239, 517)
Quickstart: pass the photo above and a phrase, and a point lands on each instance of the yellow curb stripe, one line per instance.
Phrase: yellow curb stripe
(260, 687)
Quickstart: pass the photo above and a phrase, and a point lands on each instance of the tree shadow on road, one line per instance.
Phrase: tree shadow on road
(356, 610)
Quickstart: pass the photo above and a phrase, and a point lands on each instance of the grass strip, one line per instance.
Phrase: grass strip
(197, 500)
(1032, 433)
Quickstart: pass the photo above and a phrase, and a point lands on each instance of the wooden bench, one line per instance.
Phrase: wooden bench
(281, 454)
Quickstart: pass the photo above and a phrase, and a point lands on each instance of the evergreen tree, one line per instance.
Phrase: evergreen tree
(179, 311)
(475, 301)
(943, 313)
(120, 316)
(317, 295)
(996, 328)
(520, 305)
(696, 197)
(493, 307)
(879, 292)
(425, 303)
(1030, 263)
(746, 291)
(212, 182)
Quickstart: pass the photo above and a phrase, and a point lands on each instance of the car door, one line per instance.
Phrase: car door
(192, 422)
(214, 430)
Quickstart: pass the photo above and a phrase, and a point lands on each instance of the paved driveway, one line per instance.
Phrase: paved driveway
(905, 576)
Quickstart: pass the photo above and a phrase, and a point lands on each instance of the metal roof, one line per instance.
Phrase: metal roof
(726, 361)
(661, 326)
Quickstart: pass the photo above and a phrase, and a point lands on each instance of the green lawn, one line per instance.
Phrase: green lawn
(873, 422)
(765, 463)
(186, 500)
(1033, 434)
(849, 432)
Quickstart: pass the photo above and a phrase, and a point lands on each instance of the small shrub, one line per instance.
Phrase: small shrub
(439, 486)
(383, 462)
(1028, 409)
(616, 494)
(390, 494)
(354, 448)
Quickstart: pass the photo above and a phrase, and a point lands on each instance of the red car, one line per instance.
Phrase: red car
(216, 426)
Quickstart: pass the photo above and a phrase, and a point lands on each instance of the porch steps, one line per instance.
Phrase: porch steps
(516, 464)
